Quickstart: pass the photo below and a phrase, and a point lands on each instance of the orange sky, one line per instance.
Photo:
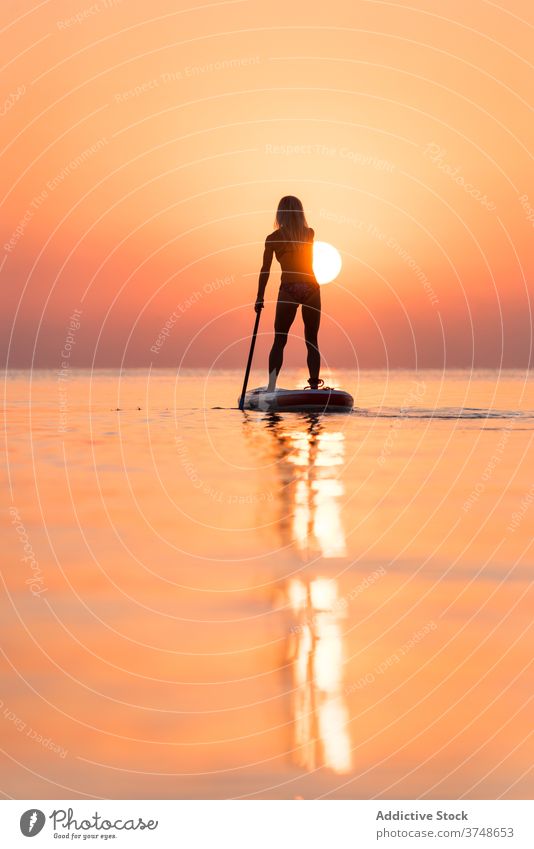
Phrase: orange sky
(144, 150)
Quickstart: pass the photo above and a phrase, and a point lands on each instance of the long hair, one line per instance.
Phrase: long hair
(291, 220)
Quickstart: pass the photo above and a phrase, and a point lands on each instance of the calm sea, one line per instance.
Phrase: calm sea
(201, 602)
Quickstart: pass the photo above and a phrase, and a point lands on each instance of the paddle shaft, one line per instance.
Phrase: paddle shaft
(249, 363)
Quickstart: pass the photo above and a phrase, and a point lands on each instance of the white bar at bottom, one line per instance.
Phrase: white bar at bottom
(323, 824)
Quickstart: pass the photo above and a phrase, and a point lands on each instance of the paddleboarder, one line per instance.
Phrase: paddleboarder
(292, 244)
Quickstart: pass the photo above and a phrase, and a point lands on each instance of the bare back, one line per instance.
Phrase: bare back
(295, 258)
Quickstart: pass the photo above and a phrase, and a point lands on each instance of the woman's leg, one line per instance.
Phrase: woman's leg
(284, 317)
(311, 314)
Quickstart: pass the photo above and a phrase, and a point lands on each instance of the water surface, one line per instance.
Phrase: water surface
(200, 602)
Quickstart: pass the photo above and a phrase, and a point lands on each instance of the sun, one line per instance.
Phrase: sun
(326, 262)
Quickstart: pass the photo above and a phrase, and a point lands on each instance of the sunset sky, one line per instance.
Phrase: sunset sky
(145, 148)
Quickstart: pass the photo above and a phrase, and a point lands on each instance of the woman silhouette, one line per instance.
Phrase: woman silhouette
(292, 242)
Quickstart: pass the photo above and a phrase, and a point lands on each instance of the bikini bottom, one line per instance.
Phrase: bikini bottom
(301, 292)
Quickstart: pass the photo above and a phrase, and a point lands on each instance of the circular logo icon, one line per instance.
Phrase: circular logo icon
(32, 822)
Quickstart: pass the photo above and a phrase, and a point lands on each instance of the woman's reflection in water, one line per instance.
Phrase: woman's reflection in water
(309, 459)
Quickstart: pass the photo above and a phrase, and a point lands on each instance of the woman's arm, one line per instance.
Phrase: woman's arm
(264, 273)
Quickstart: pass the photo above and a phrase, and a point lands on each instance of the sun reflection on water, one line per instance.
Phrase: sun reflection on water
(316, 650)
(309, 461)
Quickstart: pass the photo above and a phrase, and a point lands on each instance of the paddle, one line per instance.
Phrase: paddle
(249, 363)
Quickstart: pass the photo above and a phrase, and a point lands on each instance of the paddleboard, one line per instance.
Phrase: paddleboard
(326, 400)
